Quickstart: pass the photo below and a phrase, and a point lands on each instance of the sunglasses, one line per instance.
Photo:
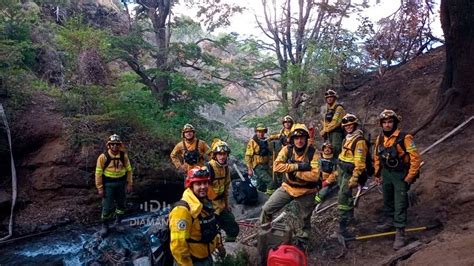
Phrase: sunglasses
(201, 173)
(348, 120)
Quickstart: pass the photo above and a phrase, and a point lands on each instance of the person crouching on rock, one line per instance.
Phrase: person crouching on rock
(193, 225)
(299, 162)
(113, 177)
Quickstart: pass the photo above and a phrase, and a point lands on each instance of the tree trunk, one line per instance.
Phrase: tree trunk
(457, 88)
(457, 21)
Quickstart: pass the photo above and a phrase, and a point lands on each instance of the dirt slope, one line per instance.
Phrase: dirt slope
(445, 189)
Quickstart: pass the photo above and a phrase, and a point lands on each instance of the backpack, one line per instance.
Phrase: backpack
(160, 242)
(244, 192)
(263, 144)
(330, 113)
(400, 141)
(309, 154)
(109, 159)
(191, 157)
(369, 165)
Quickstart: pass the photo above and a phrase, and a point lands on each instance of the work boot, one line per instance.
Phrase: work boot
(118, 224)
(400, 240)
(384, 227)
(104, 230)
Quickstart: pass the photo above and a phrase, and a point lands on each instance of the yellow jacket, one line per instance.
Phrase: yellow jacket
(339, 113)
(359, 156)
(184, 225)
(281, 165)
(329, 177)
(411, 157)
(219, 189)
(252, 157)
(177, 155)
(283, 132)
(115, 169)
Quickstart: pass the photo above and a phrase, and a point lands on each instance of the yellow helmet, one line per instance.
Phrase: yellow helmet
(386, 114)
(261, 127)
(288, 119)
(187, 128)
(219, 146)
(298, 130)
(330, 93)
(349, 119)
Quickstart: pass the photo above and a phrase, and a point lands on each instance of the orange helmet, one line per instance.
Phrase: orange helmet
(197, 174)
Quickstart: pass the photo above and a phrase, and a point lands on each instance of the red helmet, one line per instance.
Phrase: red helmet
(197, 174)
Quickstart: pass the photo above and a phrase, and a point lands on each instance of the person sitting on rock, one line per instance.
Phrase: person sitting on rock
(328, 173)
(299, 162)
(220, 185)
(189, 152)
(113, 177)
(192, 223)
(257, 158)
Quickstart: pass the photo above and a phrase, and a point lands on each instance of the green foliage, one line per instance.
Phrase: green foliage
(82, 100)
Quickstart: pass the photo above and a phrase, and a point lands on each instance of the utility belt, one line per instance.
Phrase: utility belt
(106, 179)
(393, 164)
(346, 167)
(294, 181)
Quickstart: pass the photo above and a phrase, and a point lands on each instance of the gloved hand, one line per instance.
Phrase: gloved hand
(353, 183)
(304, 167)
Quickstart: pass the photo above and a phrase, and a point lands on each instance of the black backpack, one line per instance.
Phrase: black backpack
(109, 159)
(369, 165)
(191, 157)
(244, 192)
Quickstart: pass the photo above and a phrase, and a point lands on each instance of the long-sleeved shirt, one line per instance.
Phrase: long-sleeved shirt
(356, 157)
(336, 121)
(115, 169)
(411, 157)
(282, 165)
(220, 186)
(252, 155)
(177, 155)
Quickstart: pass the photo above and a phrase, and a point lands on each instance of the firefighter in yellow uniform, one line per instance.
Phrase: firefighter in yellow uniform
(113, 177)
(190, 152)
(193, 225)
(351, 170)
(219, 190)
(299, 162)
(332, 130)
(257, 158)
(278, 141)
(396, 162)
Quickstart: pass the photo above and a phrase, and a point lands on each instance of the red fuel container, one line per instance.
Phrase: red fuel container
(286, 255)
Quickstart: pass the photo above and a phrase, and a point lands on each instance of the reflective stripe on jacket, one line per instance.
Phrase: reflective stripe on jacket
(177, 154)
(114, 170)
(220, 186)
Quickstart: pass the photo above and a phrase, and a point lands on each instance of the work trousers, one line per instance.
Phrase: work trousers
(114, 199)
(395, 196)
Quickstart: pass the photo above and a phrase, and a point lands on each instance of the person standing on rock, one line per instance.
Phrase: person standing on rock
(113, 177)
(397, 164)
(193, 225)
(299, 162)
(278, 141)
(257, 158)
(351, 168)
(332, 130)
(219, 190)
(190, 152)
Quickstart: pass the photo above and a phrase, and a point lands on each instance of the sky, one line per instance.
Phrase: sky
(244, 24)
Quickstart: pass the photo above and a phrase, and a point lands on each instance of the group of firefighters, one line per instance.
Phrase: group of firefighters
(296, 172)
